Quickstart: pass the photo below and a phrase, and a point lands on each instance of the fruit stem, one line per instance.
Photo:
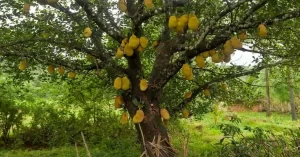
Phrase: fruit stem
(142, 137)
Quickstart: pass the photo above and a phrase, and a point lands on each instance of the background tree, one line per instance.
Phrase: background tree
(82, 36)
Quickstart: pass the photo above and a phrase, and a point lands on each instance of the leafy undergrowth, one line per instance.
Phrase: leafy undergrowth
(203, 137)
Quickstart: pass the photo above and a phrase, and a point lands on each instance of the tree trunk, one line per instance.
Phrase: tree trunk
(268, 107)
(292, 96)
(152, 133)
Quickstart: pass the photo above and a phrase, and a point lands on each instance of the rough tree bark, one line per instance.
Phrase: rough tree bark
(292, 96)
(268, 107)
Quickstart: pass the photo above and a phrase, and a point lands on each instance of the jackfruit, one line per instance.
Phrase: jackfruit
(143, 42)
(124, 118)
(26, 8)
(118, 101)
(124, 42)
(180, 27)
(215, 58)
(164, 114)
(138, 117)
(200, 61)
(172, 22)
(128, 50)
(51, 69)
(87, 32)
(228, 49)
(119, 53)
(186, 70)
(133, 42)
(187, 95)
(227, 58)
(118, 83)
(148, 4)
(155, 44)
(236, 43)
(23, 65)
(140, 49)
(184, 19)
(242, 36)
(206, 92)
(190, 77)
(51, 2)
(122, 5)
(212, 52)
(125, 83)
(61, 70)
(205, 54)
(193, 23)
(72, 75)
(143, 85)
(262, 30)
(185, 113)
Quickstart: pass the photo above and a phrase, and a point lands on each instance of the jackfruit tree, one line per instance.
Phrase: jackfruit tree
(163, 57)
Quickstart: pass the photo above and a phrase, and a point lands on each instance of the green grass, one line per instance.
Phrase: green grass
(203, 136)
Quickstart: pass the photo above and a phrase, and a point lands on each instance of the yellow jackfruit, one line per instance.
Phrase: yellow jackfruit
(124, 118)
(193, 23)
(143, 85)
(215, 58)
(118, 83)
(118, 101)
(124, 42)
(23, 65)
(26, 8)
(71, 75)
(228, 49)
(262, 30)
(140, 49)
(164, 114)
(172, 22)
(51, 2)
(206, 92)
(125, 83)
(133, 42)
(187, 95)
(180, 27)
(87, 32)
(212, 52)
(122, 5)
(236, 43)
(200, 61)
(119, 53)
(51, 69)
(185, 113)
(148, 4)
(184, 19)
(138, 117)
(143, 42)
(61, 70)
(205, 54)
(186, 70)
(128, 50)
(155, 44)
(242, 36)
(190, 76)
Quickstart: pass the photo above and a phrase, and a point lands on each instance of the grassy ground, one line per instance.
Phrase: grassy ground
(203, 136)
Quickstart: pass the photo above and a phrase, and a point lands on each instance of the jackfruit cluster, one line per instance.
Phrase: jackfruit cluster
(122, 83)
(127, 47)
(178, 24)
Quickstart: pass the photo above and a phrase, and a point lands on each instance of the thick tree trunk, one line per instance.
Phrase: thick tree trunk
(292, 96)
(268, 106)
(152, 133)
